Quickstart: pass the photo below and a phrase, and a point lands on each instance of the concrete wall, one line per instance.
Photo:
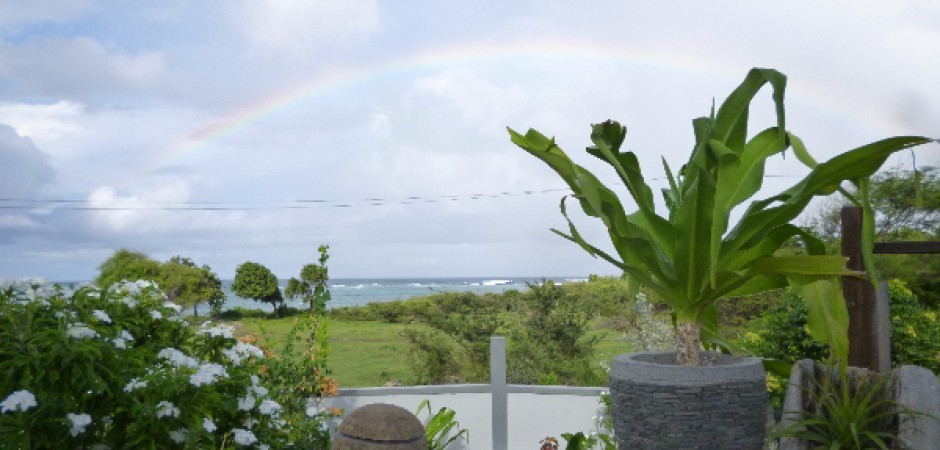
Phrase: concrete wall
(534, 412)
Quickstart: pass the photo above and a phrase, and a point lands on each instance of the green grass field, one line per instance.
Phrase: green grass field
(374, 353)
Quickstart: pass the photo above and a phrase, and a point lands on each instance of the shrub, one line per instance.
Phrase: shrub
(782, 334)
(119, 368)
(432, 356)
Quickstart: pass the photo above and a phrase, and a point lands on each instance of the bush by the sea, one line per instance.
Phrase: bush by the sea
(119, 368)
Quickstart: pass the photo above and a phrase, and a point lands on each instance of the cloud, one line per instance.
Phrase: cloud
(16, 15)
(481, 102)
(291, 28)
(77, 67)
(42, 121)
(25, 169)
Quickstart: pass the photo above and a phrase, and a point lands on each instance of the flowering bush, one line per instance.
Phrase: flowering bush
(119, 368)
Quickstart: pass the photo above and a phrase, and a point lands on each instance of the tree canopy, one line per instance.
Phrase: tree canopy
(180, 278)
(257, 282)
(311, 287)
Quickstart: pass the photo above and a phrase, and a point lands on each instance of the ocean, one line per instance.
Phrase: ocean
(360, 291)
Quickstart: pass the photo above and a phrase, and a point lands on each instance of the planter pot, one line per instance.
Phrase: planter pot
(658, 404)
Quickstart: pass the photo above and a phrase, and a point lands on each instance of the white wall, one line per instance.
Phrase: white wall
(534, 412)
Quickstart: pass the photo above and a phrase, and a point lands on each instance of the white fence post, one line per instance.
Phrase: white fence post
(499, 392)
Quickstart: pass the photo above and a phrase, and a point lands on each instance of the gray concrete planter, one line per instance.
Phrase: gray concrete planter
(658, 404)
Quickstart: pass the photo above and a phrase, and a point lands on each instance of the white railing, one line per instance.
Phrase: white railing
(499, 416)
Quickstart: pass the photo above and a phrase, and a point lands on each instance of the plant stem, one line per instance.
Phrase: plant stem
(688, 344)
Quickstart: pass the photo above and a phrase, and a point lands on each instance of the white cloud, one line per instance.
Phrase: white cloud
(381, 126)
(139, 212)
(76, 67)
(295, 28)
(481, 102)
(42, 121)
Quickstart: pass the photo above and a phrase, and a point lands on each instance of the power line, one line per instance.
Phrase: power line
(63, 204)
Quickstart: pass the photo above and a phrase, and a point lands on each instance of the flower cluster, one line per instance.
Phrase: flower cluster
(126, 361)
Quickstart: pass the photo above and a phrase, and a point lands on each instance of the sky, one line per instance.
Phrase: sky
(255, 130)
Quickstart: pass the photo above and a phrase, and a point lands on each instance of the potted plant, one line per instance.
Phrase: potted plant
(692, 257)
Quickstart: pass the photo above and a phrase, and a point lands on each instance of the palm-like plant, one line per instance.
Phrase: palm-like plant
(690, 257)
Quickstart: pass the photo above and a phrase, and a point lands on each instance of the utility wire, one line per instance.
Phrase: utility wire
(59, 204)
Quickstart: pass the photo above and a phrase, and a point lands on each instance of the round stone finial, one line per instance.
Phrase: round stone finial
(380, 426)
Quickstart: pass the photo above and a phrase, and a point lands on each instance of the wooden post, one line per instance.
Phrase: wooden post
(859, 293)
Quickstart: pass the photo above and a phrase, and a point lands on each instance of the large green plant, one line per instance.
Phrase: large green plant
(692, 257)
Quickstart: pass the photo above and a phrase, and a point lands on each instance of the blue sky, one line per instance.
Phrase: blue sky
(395, 113)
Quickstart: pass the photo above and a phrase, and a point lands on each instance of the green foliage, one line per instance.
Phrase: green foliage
(119, 367)
(255, 281)
(906, 200)
(915, 330)
(180, 278)
(692, 257)
(299, 378)
(907, 208)
(847, 409)
(127, 265)
(551, 345)
(312, 283)
(432, 356)
(442, 427)
(580, 441)
(188, 284)
(782, 334)
(549, 327)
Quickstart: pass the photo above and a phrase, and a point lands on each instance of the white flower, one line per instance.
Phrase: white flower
(208, 424)
(135, 384)
(173, 306)
(263, 447)
(245, 404)
(312, 411)
(121, 341)
(255, 380)
(261, 391)
(241, 351)
(269, 407)
(178, 436)
(243, 437)
(78, 330)
(207, 374)
(18, 401)
(129, 287)
(79, 423)
(130, 302)
(101, 316)
(177, 358)
(156, 315)
(167, 409)
(224, 331)
(249, 422)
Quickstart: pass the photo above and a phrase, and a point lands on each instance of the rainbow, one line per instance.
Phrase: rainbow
(483, 54)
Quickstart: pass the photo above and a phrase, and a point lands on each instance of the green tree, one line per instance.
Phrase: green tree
(255, 281)
(127, 265)
(188, 284)
(311, 287)
(180, 278)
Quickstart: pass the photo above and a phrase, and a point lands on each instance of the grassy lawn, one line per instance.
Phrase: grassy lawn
(373, 353)
(362, 353)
